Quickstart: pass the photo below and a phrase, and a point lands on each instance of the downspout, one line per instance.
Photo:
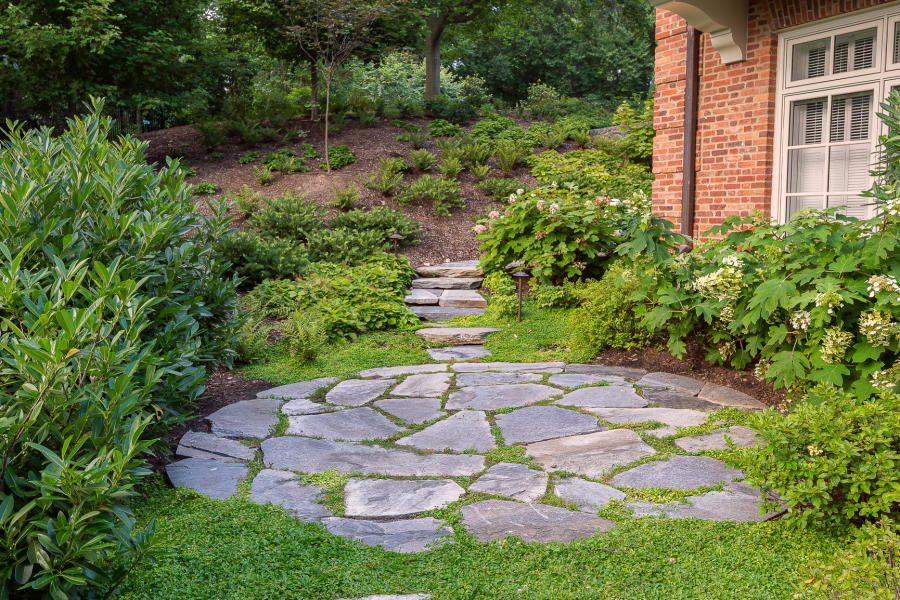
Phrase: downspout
(689, 164)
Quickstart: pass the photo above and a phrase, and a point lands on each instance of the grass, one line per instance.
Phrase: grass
(238, 550)
(543, 335)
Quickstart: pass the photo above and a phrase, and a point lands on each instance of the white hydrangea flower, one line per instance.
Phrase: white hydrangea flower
(733, 261)
(800, 320)
(520, 191)
(834, 344)
(722, 284)
(727, 314)
(830, 300)
(878, 327)
(882, 283)
(554, 208)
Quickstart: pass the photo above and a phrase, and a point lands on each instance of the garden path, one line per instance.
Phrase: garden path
(446, 291)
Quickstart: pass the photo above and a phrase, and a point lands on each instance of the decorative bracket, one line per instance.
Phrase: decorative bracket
(724, 20)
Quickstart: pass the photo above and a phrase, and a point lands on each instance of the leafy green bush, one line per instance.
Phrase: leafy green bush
(422, 159)
(503, 300)
(450, 109)
(597, 172)
(540, 97)
(345, 198)
(255, 258)
(344, 245)
(476, 152)
(443, 128)
(509, 155)
(252, 340)
(309, 151)
(406, 125)
(443, 194)
(285, 160)
(212, 133)
(248, 129)
(291, 216)
(501, 188)
(304, 336)
(638, 128)
(416, 138)
(384, 182)
(339, 157)
(566, 294)
(832, 459)
(247, 200)
(385, 221)
(112, 304)
(450, 167)
(495, 129)
(480, 171)
(205, 188)
(248, 157)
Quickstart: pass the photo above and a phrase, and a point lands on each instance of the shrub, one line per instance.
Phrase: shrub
(599, 173)
(385, 221)
(216, 155)
(450, 167)
(443, 128)
(256, 259)
(248, 157)
(581, 137)
(416, 138)
(476, 152)
(304, 336)
(503, 300)
(309, 151)
(450, 109)
(480, 171)
(384, 182)
(393, 165)
(540, 97)
(212, 133)
(247, 200)
(406, 125)
(285, 160)
(638, 128)
(291, 216)
(566, 294)
(205, 188)
(248, 129)
(422, 159)
(252, 340)
(501, 188)
(113, 305)
(832, 459)
(509, 156)
(339, 157)
(344, 245)
(493, 128)
(444, 194)
(346, 198)
(263, 174)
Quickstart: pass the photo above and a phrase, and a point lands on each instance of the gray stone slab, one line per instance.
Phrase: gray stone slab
(356, 392)
(509, 367)
(212, 478)
(666, 398)
(421, 298)
(308, 455)
(537, 423)
(456, 335)
(412, 410)
(245, 419)
(353, 424)
(678, 472)
(404, 370)
(444, 313)
(398, 497)
(301, 389)
(626, 372)
(574, 380)
(281, 488)
(743, 437)
(726, 396)
(512, 480)
(461, 268)
(195, 444)
(465, 430)
(458, 352)
(447, 283)
(589, 496)
(392, 597)
(674, 417)
(430, 385)
(592, 454)
(729, 504)
(304, 406)
(493, 397)
(404, 536)
(470, 379)
(462, 299)
(672, 381)
(608, 396)
(497, 519)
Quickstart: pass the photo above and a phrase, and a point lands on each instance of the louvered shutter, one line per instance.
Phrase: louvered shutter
(815, 62)
(854, 51)
(810, 60)
(895, 51)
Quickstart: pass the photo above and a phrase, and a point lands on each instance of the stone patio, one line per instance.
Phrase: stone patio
(415, 440)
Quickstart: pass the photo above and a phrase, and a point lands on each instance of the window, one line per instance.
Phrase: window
(834, 76)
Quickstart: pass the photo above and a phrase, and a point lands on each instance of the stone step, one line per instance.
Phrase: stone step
(462, 336)
(462, 299)
(422, 298)
(443, 313)
(463, 268)
(447, 283)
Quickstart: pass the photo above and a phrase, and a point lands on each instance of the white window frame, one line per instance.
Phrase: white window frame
(879, 79)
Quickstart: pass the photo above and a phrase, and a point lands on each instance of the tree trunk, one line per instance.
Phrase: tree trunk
(436, 25)
(140, 121)
(314, 90)
(328, 73)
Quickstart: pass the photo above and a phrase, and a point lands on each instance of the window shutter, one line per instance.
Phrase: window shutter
(841, 57)
(896, 48)
(860, 107)
(814, 122)
(815, 62)
(838, 119)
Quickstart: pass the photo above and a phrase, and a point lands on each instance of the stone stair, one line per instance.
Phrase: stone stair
(443, 292)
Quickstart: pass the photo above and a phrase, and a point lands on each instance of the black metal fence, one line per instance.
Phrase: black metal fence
(125, 120)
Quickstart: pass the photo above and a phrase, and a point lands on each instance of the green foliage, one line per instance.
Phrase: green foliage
(480, 171)
(501, 188)
(450, 109)
(581, 137)
(450, 167)
(566, 294)
(291, 216)
(284, 160)
(339, 157)
(539, 97)
(205, 188)
(385, 221)
(595, 171)
(495, 129)
(509, 155)
(309, 151)
(384, 182)
(832, 459)
(406, 125)
(252, 340)
(255, 258)
(393, 165)
(248, 129)
(304, 336)
(422, 159)
(443, 194)
(638, 128)
(212, 133)
(113, 304)
(476, 152)
(263, 174)
(502, 298)
(346, 198)
(443, 128)
(344, 245)
(247, 200)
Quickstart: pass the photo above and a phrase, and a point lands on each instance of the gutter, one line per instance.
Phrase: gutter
(689, 156)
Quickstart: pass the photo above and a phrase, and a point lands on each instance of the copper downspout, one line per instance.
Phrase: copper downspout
(689, 165)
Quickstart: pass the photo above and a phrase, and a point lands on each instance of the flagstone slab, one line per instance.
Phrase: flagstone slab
(356, 392)
(307, 455)
(626, 372)
(743, 437)
(400, 371)
(465, 430)
(470, 379)
(726, 396)
(421, 298)
(678, 472)
(494, 397)
(731, 504)
(301, 389)
(512, 480)
(354, 424)
(462, 299)
(456, 335)
(398, 497)
(589, 496)
(429, 385)
(245, 419)
(671, 381)
(212, 478)
(458, 352)
(666, 398)
(592, 454)
(460, 268)
(508, 367)
(443, 313)
(574, 380)
(497, 519)
(608, 396)
(305, 406)
(281, 488)
(412, 410)
(404, 536)
(447, 283)
(537, 423)
(669, 416)
(196, 444)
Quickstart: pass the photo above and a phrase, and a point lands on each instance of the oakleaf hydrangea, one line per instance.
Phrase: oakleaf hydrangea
(829, 300)
(800, 320)
(877, 326)
(834, 344)
(882, 283)
(722, 284)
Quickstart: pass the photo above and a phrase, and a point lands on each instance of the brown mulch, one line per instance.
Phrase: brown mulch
(693, 365)
(443, 238)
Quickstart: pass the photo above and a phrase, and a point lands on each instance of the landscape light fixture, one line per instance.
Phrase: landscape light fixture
(396, 237)
(520, 277)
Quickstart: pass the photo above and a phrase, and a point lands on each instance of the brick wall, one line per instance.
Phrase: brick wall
(736, 112)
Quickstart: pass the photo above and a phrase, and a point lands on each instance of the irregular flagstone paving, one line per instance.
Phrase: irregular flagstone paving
(403, 433)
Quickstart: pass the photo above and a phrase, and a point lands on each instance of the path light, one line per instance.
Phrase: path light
(396, 237)
(520, 277)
